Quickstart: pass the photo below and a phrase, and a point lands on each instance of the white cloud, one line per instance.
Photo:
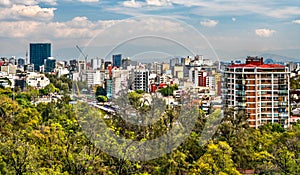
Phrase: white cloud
(138, 4)
(26, 2)
(24, 11)
(80, 22)
(5, 2)
(264, 32)
(88, 0)
(296, 21)
(209, 23)
(233, 19)
(83, 28)
(78, 27)
(159, 2)
(235, 7)
(132, 3)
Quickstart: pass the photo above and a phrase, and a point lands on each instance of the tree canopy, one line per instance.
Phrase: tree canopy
(47, 139)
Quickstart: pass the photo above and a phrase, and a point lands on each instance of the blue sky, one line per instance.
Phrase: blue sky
(231, 28)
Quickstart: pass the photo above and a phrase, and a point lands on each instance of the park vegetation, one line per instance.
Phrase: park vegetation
(46, 138)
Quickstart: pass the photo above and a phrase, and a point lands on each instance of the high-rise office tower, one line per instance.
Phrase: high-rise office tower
(39, 52)
(117, 60)
(260, 90)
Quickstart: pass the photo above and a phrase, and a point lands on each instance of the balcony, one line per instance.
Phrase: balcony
(241, 104)
(240, 93)
(282, 92)
(283, 115)
(241, 99)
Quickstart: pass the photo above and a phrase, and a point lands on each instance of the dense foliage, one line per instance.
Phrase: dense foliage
(168, 91)
(47, 139)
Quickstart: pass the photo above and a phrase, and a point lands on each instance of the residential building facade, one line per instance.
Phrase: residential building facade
(260, 90)
(141, 80)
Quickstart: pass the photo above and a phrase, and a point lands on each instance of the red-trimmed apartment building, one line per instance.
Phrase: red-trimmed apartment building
(260, 90)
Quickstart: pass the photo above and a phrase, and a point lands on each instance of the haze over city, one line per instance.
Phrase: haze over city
(234, 28)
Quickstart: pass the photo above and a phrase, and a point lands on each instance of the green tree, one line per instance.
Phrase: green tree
(100, 91)
(135, 99)
(216, 160)
(102, 98)
(140, 91)
(168, 91)
(49, 89)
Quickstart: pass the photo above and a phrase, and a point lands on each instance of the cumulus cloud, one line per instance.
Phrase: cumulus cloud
(209, 23)
(159, 2)
(82, 28)
(296, 21)
(27, 2)
(24, 11)
(78, 27)
(264, 32)
(132, 3)
(80, 22)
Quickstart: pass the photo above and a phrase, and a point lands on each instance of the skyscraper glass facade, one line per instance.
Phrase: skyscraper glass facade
(38, 53)
(117, 60)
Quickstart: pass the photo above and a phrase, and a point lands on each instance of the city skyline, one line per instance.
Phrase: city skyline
(235, 29)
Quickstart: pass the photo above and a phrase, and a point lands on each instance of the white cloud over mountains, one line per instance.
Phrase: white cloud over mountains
(264, 32)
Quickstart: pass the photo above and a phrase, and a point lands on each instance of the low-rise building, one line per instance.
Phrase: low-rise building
(37, 80)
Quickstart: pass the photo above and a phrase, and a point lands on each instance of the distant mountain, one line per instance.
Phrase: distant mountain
(277, 58)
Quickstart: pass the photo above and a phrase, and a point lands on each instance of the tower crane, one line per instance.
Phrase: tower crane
(85, 63)
(82, 53)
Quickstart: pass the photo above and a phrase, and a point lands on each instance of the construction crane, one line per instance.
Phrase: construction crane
(84, 55)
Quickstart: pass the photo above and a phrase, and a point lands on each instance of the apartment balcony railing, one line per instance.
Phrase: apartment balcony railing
(283, 115)
(240, 93)
(241, 104)
(282, 92)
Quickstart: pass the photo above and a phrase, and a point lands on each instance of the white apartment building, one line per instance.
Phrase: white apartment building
(120, 79)
(141, 80)
(94, 77)
(37, 80)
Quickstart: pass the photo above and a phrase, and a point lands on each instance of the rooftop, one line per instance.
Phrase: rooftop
(255, 62)
(257, 66)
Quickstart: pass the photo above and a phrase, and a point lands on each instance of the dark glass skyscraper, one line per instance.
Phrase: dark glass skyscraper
(117, 60)
(50, 64)
(38, 53)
